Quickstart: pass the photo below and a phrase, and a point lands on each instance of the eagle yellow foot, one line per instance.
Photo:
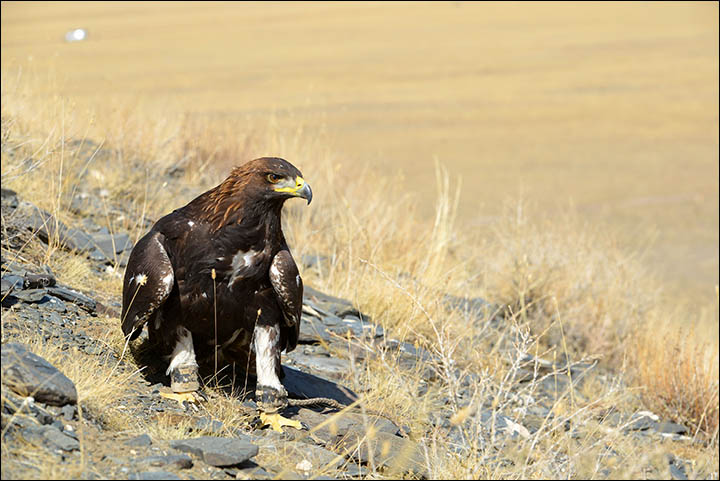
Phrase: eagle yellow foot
(185, 399)
(276, 421)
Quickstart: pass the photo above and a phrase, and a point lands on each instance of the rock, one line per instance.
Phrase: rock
(30, 375)
(139, 441)
(312, 331)
(475, 307)
(111, 244)
(250, 470)
(323, 365)
(11, 404)
(218, 451)
(50, 302)
(349, 424)
(356, 471)
(6, 287)
(60, 440)
(73, 296)
(16, 282)
(30, 295)
(50, 437)
(671, 428)
(313, 458)
(642, 421)
(8, 198)
(398, 454)
(37, 281)
(153, 475)
(180, 461)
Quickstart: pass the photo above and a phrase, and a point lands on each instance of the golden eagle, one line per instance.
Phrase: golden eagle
(216, 277)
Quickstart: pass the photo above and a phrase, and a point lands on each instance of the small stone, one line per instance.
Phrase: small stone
(50, 437)
(218, 451)
(53, 303)
(642, 421)
(38, 281)
(28, 374)
(139, 441)
(671, 428)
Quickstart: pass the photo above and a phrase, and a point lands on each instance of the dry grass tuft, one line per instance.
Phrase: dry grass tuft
(679, 373)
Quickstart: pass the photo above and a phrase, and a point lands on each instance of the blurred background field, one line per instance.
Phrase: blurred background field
(609, 108)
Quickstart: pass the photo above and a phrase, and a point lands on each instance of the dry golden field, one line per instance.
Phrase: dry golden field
(612, 108)
(559, 160)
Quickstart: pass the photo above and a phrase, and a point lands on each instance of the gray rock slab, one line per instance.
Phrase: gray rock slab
(326, 366)
(30, 295)
(312, 330)
(348, 424)
(38, 281)
(60, 440)
(398, 454)
(12, 403)
(73, 296)
(111, 244)
(218, 451)
(9, 198)
(7, 285)
(30, 375)
(139, 441)
(671, 428)
(49, 437)
(303, 385)
(642, 421)
(53, 303)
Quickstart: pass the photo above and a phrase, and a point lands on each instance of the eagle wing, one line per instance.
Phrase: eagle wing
(288, 287)
(149, 279)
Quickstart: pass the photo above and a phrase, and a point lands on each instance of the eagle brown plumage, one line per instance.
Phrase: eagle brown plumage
(222, 260)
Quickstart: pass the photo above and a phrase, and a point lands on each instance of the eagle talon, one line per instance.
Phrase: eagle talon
(186, 399)
(276, 421)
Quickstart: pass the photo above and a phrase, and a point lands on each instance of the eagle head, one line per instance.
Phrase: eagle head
(260, 185)
(272, 179)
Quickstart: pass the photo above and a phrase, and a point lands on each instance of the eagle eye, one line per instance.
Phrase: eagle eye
(274, 178)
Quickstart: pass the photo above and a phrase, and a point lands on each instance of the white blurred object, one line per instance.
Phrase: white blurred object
(77, 35)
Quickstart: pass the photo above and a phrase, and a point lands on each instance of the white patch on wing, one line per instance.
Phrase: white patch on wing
(274, 270)
(191, 223)
(241, 261)
(184, 352)
(297, 280)
(204, 294)
(264, 359)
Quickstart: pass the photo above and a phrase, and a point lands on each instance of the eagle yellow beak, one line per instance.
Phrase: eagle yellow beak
(300, 189)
